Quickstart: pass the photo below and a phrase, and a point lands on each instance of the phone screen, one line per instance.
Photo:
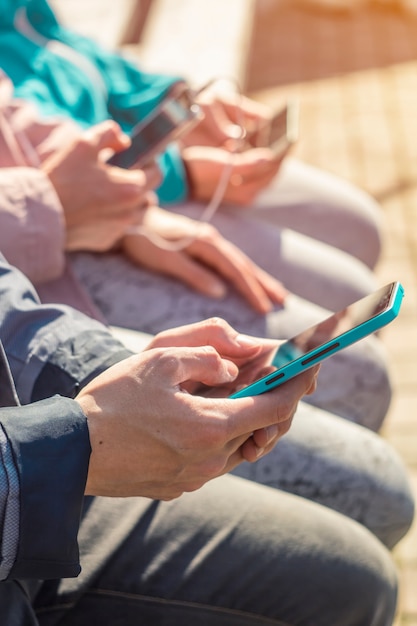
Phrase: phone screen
(322, 340)
(284, 128)
(278, 128)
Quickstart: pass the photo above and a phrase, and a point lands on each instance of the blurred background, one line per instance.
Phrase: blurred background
(352, 64)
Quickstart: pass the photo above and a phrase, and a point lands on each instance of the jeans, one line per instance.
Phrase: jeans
(234, 553)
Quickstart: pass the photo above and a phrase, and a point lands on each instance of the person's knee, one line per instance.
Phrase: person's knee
(372, 590)
(357, 581)
(393, 512)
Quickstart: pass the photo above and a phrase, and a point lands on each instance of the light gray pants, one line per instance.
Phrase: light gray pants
(354, 384)
(324, 207)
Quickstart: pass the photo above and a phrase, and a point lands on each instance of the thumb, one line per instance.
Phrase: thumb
(107, 134)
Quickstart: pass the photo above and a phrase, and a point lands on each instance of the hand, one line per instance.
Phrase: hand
(151, 438)
(247, 353)
(224, 119)
(205, 261)
(100, 202)
(250, 172)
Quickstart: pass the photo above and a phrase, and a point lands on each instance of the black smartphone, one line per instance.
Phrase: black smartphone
(315, 344)
(176, 115)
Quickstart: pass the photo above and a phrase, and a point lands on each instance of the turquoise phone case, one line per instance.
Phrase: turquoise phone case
(293, 363)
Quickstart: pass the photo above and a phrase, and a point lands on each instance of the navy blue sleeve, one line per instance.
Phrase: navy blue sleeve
(51, 349)
(51, 450)
(44, 445)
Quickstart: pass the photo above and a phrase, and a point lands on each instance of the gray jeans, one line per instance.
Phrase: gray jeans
(231, 554)
(238, 552)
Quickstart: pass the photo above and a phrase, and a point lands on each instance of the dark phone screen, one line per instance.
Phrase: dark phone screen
(329, 330)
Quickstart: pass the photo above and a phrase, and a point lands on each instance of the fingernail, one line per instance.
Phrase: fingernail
(271, 433)
(234, 131)
(217, 290)
(231, 370)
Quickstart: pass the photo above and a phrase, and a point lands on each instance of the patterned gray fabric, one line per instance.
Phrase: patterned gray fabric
(9, 506)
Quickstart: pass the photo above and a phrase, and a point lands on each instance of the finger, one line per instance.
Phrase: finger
(263, 437)
(276, 406)
(218, 124)
(108, 134)
(153, 177)
(252, 109)
(215, 332)
(231, 263)
(201, 363)
(313, 385)
(273, 287)
(195, 275)
(162, 255)
(256, 162)
(252, 180)
(252, 450)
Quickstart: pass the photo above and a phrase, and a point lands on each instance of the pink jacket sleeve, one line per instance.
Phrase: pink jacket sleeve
(32, 224)
(32, 228)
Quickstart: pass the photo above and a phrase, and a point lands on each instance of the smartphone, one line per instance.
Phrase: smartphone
(284, 128)
(322, 340)
(176, 115)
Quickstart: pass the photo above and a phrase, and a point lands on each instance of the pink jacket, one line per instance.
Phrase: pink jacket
(32, 225)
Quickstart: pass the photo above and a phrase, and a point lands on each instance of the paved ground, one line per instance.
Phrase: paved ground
(355, 73)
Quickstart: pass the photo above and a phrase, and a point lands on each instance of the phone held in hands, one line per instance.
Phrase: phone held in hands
(176, 115)
(322, 340)
(284, 128)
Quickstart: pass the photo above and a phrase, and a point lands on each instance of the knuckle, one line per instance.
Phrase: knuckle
(284, 427)
(111, 125)
(211, 469)
(208, 232)
(167, 360)
(217, 324)
(284, 410)
(195, 485)
(210, 353)
(172, 495)
(83, 142)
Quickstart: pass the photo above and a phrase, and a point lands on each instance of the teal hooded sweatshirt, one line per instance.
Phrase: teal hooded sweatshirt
(111, 87)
